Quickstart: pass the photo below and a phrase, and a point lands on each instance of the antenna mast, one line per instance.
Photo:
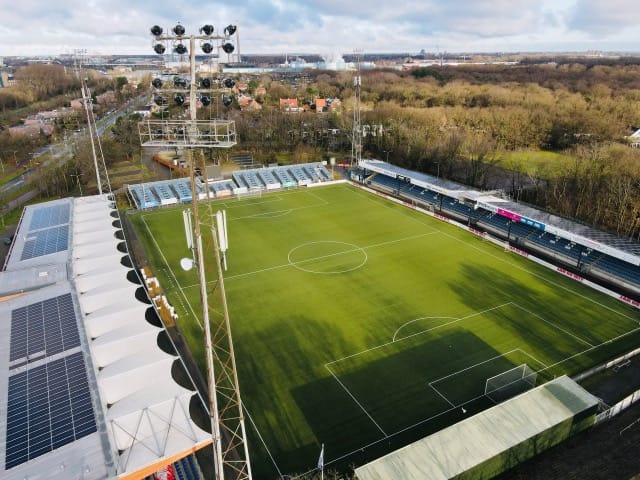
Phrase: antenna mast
(356, 140)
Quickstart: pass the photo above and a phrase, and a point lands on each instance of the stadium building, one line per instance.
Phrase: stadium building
(89, 387)
(94, 387)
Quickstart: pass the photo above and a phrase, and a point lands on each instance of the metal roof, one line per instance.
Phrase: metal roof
(484, 436)
(77, 351)
(619, 247)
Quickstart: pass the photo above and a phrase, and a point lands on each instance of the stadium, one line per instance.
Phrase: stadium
(386, 323)
(378, 321)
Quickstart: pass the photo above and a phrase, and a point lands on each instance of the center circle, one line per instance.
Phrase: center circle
(327, 257)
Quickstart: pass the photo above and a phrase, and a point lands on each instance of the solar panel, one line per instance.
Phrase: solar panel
(43, 329)
(46, 242)
(48, 406)
(49, 217)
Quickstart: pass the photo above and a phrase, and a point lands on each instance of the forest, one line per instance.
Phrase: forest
(479, 124)
(553, 134)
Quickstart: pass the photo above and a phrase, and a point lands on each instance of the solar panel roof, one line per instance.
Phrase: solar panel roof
(49, 217)
(48, 406)
(42, 329)
(45, 242)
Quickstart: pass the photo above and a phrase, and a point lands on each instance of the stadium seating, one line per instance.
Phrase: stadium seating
(144, 196)
(248, 178)
(322, 171)
(222, 189)
(165, 194)
(182, 188)
(386, 182)
(187, 469)
(299, 175)
(267, 177)
(286, 180)
(562, 249)
(618, 268)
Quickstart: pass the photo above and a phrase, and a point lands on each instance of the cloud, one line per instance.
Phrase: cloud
(276, 26)
(598, 17)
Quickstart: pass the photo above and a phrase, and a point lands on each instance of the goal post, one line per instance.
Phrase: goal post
(510, 383)
(253, 193)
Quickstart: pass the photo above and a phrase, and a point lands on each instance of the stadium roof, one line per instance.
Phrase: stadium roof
(86, 391)
(618, 247)
(479, 438)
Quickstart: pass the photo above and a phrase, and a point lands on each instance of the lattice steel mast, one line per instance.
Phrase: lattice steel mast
(230, 450)
(102, 176)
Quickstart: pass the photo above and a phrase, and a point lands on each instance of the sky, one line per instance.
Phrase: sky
(325, 27)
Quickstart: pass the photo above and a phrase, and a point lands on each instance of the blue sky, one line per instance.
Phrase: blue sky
(325, 27)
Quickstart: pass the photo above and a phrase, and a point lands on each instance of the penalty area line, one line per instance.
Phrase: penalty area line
(441, 394)
(355, 399)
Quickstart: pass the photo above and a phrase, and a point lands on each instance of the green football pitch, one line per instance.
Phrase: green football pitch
(363, 325)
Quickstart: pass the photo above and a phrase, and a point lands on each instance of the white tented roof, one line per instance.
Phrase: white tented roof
(147, 413)
(68, 249)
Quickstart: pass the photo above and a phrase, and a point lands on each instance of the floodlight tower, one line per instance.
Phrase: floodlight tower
(228, 434)
(356, 137)
(100, 166)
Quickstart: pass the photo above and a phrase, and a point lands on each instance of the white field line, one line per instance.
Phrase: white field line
(405, 211)
(582, 340)
(355, 400)
(534, 358)
(283, 212)
(178, 286)
(452, 409)
(437, 380)
(405, 429)
(540, 277)
(475, 314)
(611, 340)
(325, 201)
(201, 327)
(313, 259)
(502, 258)
(393, 339)
(234, 204)
(246, 410)
(443, 396)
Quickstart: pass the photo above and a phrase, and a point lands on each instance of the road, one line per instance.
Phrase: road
(61, 151)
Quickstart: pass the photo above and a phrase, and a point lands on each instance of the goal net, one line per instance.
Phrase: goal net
(253, 193)
(508, 384)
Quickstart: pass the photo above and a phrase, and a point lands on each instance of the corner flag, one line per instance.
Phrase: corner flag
(321, 459)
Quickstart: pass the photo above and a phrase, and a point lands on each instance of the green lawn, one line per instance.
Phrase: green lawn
(364, 325)
(536, 163)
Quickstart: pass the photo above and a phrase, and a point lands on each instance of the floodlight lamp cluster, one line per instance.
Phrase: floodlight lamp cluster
(206, 35)
(205, 84)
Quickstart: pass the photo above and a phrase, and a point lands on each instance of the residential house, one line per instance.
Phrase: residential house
(634, 139)
(289, 105)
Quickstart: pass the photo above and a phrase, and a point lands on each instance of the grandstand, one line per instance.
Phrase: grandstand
(87, 391)
(584, 250)
(173, 192)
